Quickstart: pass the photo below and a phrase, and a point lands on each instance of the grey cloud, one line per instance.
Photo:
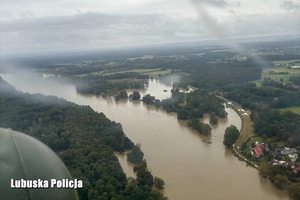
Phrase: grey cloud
(219, 3)
(7, 13)
(236, 4)
(272, 25)
(92, 29)
(290, 6)
(96, 30)
(26, 14)
(214, 3)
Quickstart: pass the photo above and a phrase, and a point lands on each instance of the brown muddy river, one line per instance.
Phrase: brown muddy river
(191, 170)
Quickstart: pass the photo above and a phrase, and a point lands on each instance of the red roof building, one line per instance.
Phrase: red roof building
(257, 150)
(296, 170)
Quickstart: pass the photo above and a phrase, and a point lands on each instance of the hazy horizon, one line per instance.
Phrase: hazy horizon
(36, 26)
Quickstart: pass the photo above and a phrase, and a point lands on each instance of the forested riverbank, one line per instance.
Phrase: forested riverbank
(83, 139)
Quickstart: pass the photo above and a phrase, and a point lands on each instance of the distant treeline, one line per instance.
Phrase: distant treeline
(295, 80)
(253, 97)
(214, 76)
(98, 85)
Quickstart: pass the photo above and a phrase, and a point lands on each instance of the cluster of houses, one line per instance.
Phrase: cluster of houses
(292, 154)
(258, 149)
(237, 57)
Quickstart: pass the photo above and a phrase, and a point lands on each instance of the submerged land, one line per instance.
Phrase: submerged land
(260, 82)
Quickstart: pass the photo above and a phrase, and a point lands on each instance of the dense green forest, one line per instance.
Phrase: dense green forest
(98, 85)
(282, 126)
(214, 76)
(295, 80)
(83, 139)
(252, 97)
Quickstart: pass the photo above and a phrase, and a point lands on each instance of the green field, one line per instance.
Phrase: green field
(253, 140)
(257, 83)
(293, 109)
(285, 62)
(247, 129)
(151, 72)
(276, 77)
(156, 73)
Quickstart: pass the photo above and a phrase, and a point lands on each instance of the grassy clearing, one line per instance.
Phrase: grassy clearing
(151, 72)
(284, 62)
(128, 80)
(280, 144)
(295, 109)
(156, 73)
(257, 83)
(253, 140)
(246, 130)
(276, 77)
(282, 69)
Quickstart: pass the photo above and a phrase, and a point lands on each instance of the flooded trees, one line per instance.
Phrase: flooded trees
(231, 134)
(135, 95)
(136, 155)
(213, 118)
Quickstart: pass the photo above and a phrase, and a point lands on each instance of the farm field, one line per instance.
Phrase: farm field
(279, 66)
(151, 72)
(295, 109)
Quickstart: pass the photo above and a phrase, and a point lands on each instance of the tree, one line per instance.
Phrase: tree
(291, 142)
(264, 168)
(135, 95)
(157, 103)
(294, 190)
(223, 113)
(213, 118)
(206, 129)
(231, 134)
(265, 138)
(122, 95)
(144, 177)
(281, 182)
(158, 183)
(182, 114)
(136, 155)
(148, 99)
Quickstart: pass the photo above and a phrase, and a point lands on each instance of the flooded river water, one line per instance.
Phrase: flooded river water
(191, 169)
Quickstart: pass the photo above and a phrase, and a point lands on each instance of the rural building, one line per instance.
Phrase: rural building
(286, 151)
(293, 156)
(296, 170)
(258, 149)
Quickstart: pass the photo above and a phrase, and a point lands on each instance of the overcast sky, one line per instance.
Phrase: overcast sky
(42, 25)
